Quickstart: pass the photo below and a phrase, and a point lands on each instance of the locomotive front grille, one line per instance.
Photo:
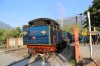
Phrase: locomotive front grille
(41, 39)
(37, 40)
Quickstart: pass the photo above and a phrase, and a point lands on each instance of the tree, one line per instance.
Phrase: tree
(18, 32)
(3, 35)
(95, 16)
(14, 33)
(70, 28)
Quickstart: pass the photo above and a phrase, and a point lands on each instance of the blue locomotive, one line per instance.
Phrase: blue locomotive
(43, 35)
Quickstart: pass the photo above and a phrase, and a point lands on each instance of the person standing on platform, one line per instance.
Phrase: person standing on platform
(93, 39)
(98, 36)
(68, 42)
(84, 40)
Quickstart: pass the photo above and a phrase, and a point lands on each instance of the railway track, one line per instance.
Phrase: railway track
(15, 63)
(28, 61)
(52, 59)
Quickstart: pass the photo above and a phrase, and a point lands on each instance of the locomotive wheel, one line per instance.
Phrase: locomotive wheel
(61, 46)
(29, 51)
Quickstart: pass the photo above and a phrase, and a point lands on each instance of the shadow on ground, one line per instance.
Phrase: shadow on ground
(15, 62)
(90, 62)
(64, 55)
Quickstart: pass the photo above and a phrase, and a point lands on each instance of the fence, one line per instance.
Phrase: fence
(74, 26)
(14, 42)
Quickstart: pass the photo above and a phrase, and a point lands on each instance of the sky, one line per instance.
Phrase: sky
(20, 12)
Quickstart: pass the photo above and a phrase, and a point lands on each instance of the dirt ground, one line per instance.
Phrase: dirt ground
(17, 51)
(21, 53)
(85, 52)
(93, 63)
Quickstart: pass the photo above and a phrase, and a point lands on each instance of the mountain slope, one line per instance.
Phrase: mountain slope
(5, 26)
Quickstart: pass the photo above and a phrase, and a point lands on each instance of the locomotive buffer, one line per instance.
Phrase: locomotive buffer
(36, 58)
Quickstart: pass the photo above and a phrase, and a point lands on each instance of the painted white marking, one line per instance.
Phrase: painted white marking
(32, 59)
(43, 62)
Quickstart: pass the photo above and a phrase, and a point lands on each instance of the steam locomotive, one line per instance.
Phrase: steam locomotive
(44, 35)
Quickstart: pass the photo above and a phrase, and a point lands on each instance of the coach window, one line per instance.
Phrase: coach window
(56, 26)
(45, 23)
(48, 22)
(30, 24)
(53, 28)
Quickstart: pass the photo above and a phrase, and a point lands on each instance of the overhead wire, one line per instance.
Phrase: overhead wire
(71, 18)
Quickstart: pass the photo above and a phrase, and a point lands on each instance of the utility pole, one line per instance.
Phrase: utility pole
(76, 37)
(76, 22)
(81, 22)
(88, 14)
(81, 19)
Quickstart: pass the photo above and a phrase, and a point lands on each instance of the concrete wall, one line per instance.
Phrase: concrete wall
(20, 41)
(14, 42)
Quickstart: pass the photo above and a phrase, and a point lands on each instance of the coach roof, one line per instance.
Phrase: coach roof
(42, 19)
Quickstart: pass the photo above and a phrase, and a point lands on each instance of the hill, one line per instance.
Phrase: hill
(3, 25)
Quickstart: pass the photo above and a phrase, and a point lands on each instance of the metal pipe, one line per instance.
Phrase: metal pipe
(76, 22)
(88, 14)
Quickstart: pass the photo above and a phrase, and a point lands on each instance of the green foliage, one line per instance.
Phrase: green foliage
(95, 17)
(72, 62)
(72, 59)
(18, 32)
(70, 28)
(9, 34)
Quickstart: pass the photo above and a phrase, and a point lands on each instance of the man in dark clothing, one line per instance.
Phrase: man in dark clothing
(67, 42)
(98, 39)
(93, 39)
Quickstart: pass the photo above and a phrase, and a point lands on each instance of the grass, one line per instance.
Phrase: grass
(72, 62)
(72, 59)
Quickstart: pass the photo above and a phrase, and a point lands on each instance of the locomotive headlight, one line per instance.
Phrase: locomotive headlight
(43, 32)
(25, 32)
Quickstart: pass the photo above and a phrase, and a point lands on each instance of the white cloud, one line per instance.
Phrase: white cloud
(61, 10)
(23, 18)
